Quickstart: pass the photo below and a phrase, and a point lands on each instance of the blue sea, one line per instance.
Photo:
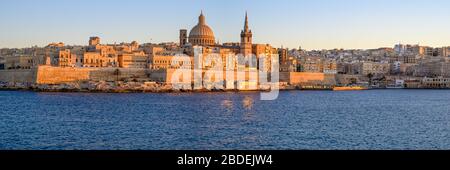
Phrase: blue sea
(324, 120)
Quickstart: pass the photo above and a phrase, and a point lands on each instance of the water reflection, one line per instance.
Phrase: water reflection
(229, 121)
(247, 102)
(228, 104)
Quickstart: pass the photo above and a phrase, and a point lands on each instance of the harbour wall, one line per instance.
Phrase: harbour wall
(18, 76)
(57, 75)
(307, 78)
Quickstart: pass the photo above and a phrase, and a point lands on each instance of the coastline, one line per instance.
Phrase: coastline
(109, 87)
(152, 87)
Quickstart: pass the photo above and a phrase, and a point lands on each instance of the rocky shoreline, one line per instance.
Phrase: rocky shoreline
(103, 87)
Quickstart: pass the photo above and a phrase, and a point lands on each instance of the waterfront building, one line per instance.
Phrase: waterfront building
(133, 60)
(96, 59)
(433, 67)
(171, 61)
(18, 62)
(66, 58)
(436, 83)
(412, 83)
(264, 50)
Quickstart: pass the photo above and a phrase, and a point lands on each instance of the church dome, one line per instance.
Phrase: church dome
(201, 30)
(201, 34)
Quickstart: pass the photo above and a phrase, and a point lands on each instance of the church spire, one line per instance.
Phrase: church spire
(246, 22)
(246, 39)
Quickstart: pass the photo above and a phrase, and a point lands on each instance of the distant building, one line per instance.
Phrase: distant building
(329, 67)
(287, 63)
(2, 62)
(400, 49)
(19, 62)
(366, 68)
(183, 37)
(60, 44)
(433, 68)
(395, 67)
(316, 64)
(93, 41)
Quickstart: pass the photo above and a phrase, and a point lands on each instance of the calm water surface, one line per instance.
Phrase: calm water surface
(375, 119)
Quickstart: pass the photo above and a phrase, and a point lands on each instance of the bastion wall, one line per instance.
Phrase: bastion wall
(57, 75)
(307, 78)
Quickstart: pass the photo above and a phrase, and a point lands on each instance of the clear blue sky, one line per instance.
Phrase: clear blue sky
(312, 24)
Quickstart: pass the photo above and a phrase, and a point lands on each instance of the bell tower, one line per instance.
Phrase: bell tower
(246, 39)
(183, 37)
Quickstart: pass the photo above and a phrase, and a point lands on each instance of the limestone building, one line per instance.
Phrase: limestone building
(133, 60)
(93, 41)
(201, 34)
(66, 58)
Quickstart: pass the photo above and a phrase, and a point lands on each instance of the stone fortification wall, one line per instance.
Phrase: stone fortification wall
(57, 75)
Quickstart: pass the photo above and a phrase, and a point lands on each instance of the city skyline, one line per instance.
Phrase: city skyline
(325, 24)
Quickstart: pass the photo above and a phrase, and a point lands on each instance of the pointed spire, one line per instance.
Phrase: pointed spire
(246, 22)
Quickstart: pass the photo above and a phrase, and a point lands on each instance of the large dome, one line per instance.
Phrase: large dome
(201, 30)
(201, 34)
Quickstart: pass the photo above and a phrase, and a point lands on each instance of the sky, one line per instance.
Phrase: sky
(310, 24)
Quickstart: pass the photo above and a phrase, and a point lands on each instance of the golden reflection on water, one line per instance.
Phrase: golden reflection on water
(247, 102)
(227, 104)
